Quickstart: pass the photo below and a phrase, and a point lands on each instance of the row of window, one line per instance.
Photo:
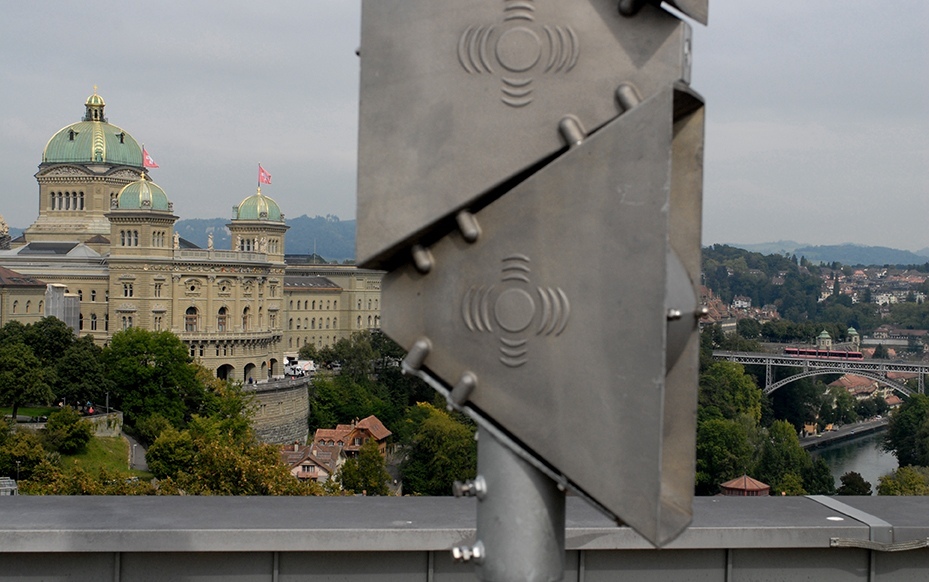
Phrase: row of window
(310, 323)
(130, 238)
(369, 304)
(198, 350)
(312, 304)
(66, 201)
(28, 306)
(302, 341)
(192, 319)
(262, 245)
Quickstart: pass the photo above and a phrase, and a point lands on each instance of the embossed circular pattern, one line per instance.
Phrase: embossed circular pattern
(518, 49)
(514, 309)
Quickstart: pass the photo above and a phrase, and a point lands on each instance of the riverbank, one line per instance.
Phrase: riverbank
(844, 433)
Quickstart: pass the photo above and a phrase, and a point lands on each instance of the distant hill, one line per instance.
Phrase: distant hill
(850, 254)
(781, 247)
(847, 254)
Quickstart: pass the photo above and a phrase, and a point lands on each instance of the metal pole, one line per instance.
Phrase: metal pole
(520, 518)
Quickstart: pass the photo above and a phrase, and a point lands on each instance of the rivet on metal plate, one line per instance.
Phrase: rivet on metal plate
(627, 96)
(467, 224)
(422, 258)
(417, 355)
(571, 131)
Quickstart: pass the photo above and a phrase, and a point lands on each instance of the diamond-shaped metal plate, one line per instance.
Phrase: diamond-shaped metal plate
(457, 98)
(559, 309)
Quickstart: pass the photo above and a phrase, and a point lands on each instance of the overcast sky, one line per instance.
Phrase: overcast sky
(817, 112)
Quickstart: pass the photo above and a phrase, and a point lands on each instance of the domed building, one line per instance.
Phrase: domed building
(105, 236)
(84, 166)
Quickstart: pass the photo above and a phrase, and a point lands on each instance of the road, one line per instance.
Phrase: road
(844, 432)
(136, 454)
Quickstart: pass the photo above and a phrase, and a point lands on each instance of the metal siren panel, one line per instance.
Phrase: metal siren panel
(572, 314)
(459, 99)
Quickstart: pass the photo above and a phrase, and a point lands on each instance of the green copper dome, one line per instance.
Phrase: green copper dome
(93, 140)
(258, 207)
(142, 195)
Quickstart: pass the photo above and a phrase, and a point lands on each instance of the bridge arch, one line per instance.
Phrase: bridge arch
(824, 371)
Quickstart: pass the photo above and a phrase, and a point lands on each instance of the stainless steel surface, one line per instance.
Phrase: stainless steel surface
(553, 312)
(458, 98)
(520, 518)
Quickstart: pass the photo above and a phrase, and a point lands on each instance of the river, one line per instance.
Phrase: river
(862, 455)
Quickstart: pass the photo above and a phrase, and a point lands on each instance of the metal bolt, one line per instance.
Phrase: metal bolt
(476, 487)
(462, 554)
(627, 96)
(467, 224)
(417, 355)
(422, 258)
(572, 131)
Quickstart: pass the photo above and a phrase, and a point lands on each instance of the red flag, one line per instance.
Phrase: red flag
(147, 160)
(263, 176)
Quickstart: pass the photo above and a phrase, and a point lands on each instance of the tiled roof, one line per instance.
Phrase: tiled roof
(10, 278)
(745, 483)
(315, 282)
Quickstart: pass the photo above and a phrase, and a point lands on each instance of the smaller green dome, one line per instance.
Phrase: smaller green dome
(258, 207)
(852, 331)
(825, 335)
(142, 195)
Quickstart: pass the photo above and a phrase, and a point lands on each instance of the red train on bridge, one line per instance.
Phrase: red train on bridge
(817, 353)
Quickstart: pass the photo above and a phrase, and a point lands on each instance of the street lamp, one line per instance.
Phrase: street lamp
(17, 470)
(132, 457)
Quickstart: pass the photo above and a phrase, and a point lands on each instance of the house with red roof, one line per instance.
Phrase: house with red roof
(352, 436)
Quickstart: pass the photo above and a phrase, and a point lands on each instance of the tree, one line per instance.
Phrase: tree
(749, 328)
(367, 472)
(727, 391)
(49, 338)
(853, 484)
(151, 372)
(22, 377)
(724, 452)
(781, 454)
(20, 452)
(67, 432)
(817, 478)
(788, 484)
(205, 459)
(80, 374)
(880, 352)
(905, 481)
(907, 435)
(442, 451)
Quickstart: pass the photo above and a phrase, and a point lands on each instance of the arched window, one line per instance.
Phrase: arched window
(313, 323)
(93, 322)
(245, 313)
(80, 321)
(327, 323)
(28, 305)
(80, 296)
(369, 321)
(369, 304)
(15, 306)
(41, 307)
(359, 304)
(190, 319)
(314, 304)
(290, 323)
(221, 319)
(359, 322)
(93, 294)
